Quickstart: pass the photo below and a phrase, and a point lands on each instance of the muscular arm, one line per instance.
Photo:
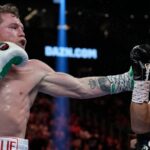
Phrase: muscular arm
(61, 84)
(140, 117)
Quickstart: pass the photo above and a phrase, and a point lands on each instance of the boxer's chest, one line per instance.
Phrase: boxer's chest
(17, 86)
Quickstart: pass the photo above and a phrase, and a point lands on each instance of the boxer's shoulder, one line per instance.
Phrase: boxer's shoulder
(38, 64)
(32, 63)
(34, 66)
(35, 62)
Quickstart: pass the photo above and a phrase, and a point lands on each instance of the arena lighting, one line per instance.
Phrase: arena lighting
(70, 52)
(61, 113)
(56, 1)
(31, 15)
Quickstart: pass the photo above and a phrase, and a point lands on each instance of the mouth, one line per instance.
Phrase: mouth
(22, 43)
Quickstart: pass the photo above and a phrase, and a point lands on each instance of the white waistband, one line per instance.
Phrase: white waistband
(12, 143)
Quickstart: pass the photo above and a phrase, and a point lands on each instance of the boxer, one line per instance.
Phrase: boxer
(22, 79)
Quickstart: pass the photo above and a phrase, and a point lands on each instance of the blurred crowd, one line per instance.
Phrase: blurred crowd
(94, 124)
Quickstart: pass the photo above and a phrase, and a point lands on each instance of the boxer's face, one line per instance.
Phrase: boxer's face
(11, 29)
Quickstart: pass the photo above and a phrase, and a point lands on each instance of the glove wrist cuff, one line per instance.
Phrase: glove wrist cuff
(141, 91)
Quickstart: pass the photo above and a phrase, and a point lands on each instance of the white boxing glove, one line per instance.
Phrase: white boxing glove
(10, 54)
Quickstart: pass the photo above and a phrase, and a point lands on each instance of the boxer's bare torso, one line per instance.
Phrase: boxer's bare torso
(17, 93)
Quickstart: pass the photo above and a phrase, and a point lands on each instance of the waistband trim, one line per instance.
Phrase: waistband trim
(13, 143)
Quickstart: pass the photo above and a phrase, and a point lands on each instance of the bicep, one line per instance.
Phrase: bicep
(60, 84)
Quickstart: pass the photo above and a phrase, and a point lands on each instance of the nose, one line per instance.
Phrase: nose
(21, 32)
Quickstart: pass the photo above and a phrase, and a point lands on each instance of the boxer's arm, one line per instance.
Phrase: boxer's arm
(61, 84)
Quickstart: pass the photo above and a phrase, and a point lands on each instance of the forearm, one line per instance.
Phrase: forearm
(112, 84)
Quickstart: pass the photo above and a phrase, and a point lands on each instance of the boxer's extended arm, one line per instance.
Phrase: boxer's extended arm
(61, 84)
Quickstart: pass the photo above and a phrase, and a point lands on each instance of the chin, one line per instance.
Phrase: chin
(22, 46)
